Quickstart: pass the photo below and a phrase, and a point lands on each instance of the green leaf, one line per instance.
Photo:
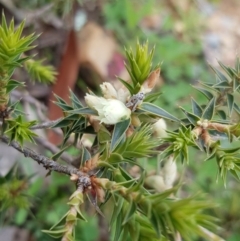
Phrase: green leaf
(130, 212)
(118, 229)
(191, 117)
(83, 111)
(236, 108)
(223, 85)
(208, 112)
(115, 158)
(13, 84)
(197, 109)
(221, 76)
(62, 103)
(116, 210)
(58, 154)
(55, 233)
(157, 111)
(228, 70)
(134, 80)
(134, 231)
(104, 136)
(235, 174)
(207, 93)
(118, 133)
(75, 101)
(230, 102)
(42, 73)
(155, 222)
(222, 114)
(127, 85)
(139, 183)
(152, 97)
(85, 156)
(62, 123)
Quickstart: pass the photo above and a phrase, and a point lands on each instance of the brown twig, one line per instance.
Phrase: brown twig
(46, 124)
(83, 178)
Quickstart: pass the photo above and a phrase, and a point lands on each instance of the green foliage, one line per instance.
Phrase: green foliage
(140, 209)
(140, 66)
(178, 144)
(138, 213)
(180, 50)
(12, 46)
(13, 193)
(139, 144)
(39, 72)
(18, 129)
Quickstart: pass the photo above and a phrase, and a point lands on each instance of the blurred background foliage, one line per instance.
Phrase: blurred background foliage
(177, 31)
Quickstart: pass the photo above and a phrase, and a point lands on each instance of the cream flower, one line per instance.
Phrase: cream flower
(110, 111)
(108, 91)
(160, 128)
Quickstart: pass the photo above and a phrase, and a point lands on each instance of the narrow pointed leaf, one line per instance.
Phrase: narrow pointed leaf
(191, 117)
(115, 158)
(152, 97)
(131, 210)
(83, 111)
(222, 114)
(75, 101)
(13, 84)
(157, 111)
(127, 85)
(85, 155)
(62, 103)
(197, 109)
(209, 110)
(119, 228)
(155, 222)
(57, 155)
(221, 76)
(230, 102)
(236, 108)
(116, 210)
(207, 93)
(55, 233)
(118, 133)
(223, 85)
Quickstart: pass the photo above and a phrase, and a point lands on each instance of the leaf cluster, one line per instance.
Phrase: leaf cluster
(12, 45)
(41, 73)
(12, 192)
(139, 68)
(19, 130)
(137, 213)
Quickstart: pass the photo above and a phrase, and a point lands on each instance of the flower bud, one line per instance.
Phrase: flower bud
(169, 172)
(151, 81)
(135, 121)
(110, 111)
(108, 91)
(160, 128)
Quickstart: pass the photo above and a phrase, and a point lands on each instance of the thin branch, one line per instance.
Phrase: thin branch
(53, 149)
(49, 164)
(25, 96)
(46, 124)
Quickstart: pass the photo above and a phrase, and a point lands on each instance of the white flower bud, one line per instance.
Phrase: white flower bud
(160, 128)
(110, 111)
(108, 91)
(169, 172)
